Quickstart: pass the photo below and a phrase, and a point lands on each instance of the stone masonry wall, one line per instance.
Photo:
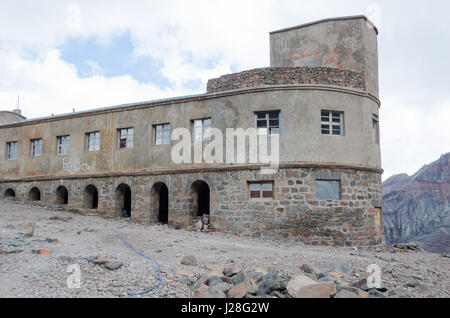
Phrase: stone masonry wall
(294, 211)
(288, 75)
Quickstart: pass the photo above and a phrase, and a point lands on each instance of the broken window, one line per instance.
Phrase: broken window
(332, 123)
(375, 129)
(63, 145)
(93, 141)
(36, 148)
(202, 129)
(126, 138)
(261, 190)
(162, 134)
(268, 122)
(12, 150)
(328, 190)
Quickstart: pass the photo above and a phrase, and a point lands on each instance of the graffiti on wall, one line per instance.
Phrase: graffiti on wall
(341, 59)
(74, 165)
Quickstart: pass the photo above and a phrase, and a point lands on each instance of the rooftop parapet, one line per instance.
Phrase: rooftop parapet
(288, 76)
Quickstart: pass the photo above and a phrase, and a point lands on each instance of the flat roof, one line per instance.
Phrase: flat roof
(327, 20)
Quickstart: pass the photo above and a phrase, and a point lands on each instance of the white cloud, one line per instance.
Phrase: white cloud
(47, 84)
(201, 39)
(412, 135)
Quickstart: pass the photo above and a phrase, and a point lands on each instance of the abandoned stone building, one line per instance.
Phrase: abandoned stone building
(319, 95)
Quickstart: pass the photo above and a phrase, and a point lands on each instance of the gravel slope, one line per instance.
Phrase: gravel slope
(83, 238)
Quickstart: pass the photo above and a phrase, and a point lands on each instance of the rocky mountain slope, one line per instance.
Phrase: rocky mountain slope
(416, 208)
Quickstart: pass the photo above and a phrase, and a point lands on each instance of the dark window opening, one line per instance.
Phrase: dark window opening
(164, 205)
(201, 198)
(91, 197)
(10, 193)
(62, 195)
(35, 194)
(124, 200)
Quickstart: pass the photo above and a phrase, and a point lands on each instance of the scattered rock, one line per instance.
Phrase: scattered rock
(297, 283)
(238, 278)
(230, 271)
(189, 260)
(318, 290)
(185, 272)
(213, 281)
(29, 229)
(50, 240)
(238, 291)
(373, 293)
(101, 261)
(113, 265)
(307, 269)
(59, 218)
(65, 258)
(271, 282)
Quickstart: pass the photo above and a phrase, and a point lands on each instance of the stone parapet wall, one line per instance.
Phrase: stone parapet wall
(288, 76)
(293, 212)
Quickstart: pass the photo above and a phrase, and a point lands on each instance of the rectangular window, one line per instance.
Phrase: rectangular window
(126, 138)
(261, 190)
(36, 148)
(375, 129)
(162, 134)
(328, 190)
(202, 129)
(12, 150)
(268, 122)
(63, 145)
(93, 141)
(332, 123)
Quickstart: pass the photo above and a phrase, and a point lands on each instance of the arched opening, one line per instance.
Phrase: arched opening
(91, 197)
(10, 193)
(35, 194)
(123, 193)
(62, 195)
(200, 193)
(160, 202)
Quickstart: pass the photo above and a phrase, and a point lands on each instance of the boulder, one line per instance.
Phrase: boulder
(271, 282)
(185, 272)
(113, 265)
(238, 278)
(101, 261)
(189, 260)
(317, 290)
(239, 291)
(298, 282)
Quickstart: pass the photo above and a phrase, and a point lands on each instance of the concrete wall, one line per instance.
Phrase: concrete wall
(301, 140)
(345, 43)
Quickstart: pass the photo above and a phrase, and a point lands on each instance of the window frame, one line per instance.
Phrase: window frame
(267, 119)
(328, 180)
(375, 129)
(63, 145)
(163, 135)
(33, 149)
(128, 144)
(95, 144)
(203, 129)
(261, 190)
(331, 123)
(8, 150)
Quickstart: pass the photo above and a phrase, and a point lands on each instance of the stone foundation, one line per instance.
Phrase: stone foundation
(293, 212)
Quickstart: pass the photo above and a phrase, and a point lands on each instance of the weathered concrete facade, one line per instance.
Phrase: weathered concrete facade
(111, 180)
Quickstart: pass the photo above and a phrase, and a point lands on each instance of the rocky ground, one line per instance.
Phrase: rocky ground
(38, 246)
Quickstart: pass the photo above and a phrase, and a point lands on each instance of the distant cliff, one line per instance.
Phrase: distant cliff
(417, 208)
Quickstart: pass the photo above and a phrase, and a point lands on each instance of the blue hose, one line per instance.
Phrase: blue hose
(143, 255)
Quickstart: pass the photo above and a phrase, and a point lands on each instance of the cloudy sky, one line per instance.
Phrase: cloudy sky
(59, 55)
